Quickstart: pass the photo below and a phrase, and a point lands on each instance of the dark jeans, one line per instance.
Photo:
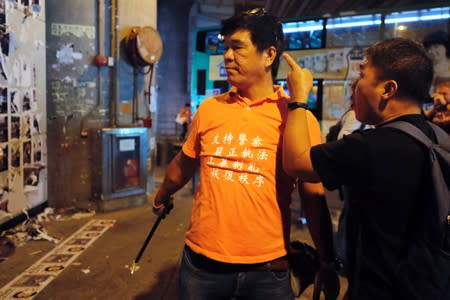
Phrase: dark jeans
(205, 279)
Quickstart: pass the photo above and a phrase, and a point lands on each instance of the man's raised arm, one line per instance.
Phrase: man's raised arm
(296, 141)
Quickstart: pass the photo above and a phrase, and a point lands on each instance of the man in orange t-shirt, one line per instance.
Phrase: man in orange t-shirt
(238, 237)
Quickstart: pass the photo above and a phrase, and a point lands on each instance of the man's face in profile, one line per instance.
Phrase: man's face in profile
(444, 91)
(367, 94)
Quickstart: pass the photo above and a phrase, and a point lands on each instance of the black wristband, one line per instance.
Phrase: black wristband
(295, 105)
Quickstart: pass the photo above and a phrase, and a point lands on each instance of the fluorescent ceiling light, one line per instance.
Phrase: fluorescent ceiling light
(435, 17)
(415, 19)
(353, 24)
(302, 28)
(418, 15)
(401, 20)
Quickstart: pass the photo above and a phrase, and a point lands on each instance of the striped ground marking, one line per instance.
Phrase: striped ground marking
(34, 279)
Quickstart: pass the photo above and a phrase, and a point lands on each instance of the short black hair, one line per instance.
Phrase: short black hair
(406, 62)
(438, 37)
(265, 31)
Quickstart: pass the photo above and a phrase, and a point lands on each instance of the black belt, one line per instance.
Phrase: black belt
(204, 263)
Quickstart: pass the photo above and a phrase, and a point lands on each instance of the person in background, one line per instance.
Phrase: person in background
(437, 45)
(383, 170)
(237, 242)
(439, 114)
(348, 119)
(347, 122)
(184, 118)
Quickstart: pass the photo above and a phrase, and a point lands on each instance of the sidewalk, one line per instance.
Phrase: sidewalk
(102, 271)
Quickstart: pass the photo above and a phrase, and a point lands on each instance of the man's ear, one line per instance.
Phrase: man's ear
(269, 55)
(390, 88)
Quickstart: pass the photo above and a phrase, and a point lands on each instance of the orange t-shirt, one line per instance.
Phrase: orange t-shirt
(240, 211)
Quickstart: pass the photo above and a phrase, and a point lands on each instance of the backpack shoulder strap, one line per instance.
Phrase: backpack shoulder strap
(443, 139)
(411, 130)
(441, 151)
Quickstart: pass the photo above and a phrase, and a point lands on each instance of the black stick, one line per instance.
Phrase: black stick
(147, 240)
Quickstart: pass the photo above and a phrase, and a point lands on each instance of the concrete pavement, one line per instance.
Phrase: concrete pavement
(102, 271)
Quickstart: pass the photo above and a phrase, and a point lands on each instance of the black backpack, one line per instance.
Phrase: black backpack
(425, 271)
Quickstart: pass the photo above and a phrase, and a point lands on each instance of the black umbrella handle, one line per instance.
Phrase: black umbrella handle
(149, 237)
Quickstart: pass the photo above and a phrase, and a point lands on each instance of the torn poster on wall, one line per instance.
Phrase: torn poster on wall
(22, 105)
(73, 42)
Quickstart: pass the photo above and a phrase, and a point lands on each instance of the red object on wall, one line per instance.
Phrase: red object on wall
(101, 60)
(131, 172)
(148, 122)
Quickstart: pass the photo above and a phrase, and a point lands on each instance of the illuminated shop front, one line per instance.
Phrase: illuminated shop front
(331, 47)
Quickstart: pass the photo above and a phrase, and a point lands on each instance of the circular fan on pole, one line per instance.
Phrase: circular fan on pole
(143, 46)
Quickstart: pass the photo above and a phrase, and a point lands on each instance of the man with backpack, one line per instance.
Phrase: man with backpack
(396, 223)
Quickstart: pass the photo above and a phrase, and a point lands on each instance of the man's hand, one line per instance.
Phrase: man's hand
(300, 81)
(162, 204)
(326, 281)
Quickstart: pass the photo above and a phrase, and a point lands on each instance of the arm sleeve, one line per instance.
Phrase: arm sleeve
(342, 162)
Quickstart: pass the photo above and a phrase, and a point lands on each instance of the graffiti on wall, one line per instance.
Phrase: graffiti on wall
(71, 88)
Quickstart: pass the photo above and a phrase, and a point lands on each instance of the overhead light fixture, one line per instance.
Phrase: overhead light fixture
(353, 24)
(303, 26)
(354, 21)
(435, 17)
(418, 15)
(401, 20)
